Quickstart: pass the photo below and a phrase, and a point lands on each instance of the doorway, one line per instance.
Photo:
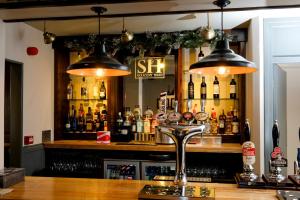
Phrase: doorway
(13, 113)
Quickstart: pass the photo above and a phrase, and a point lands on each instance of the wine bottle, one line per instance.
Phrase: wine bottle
(222, 120)
(216, 88)
(191, 88)
(102, 91)
(235, 122)
(232, 89)
(84, 92)
(203, 88)
(70, 90)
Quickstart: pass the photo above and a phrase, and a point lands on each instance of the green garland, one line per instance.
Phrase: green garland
(147, 42)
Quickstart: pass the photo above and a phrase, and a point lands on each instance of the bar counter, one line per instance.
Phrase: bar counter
(46, 188)
(90, 144)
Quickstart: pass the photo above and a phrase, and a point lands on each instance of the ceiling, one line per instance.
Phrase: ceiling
(141, 16)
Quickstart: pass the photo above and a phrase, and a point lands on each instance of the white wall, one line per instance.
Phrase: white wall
(255, 90)
(2, 73)
(38, 78)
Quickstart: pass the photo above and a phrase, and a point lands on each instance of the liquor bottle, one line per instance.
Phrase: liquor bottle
(126, 130)
(139, 125)
(133, 125)
(228, 122)
(68, 123)
(235, 122)
(232, 89)
(104, 118)
(96, 89)
(246, 132)
(119, 122)
(191, 88)
(70, 90)
(147, 125)
(97, 121)
(89, 120)
(81, 120)
(137, 111)
(222, 120)
(213, 122)
(148, 113)
(83, 90)
(216, 88)
(97, 118)
(74, 120)
(102, 91)
(203, 88)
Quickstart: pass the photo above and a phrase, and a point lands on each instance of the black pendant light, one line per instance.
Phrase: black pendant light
(98, 63)
(222, 59)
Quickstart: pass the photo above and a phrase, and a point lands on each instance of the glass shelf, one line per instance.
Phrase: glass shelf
(78, 132)
(212, 99)
(86, 99)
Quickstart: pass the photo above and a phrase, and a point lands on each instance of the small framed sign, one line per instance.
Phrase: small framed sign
(150, 68)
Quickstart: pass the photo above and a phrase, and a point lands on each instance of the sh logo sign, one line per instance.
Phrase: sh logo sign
(150, 67)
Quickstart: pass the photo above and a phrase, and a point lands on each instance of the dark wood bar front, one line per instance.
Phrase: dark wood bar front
(36, 188)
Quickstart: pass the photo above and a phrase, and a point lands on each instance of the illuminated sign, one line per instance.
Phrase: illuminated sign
(150, 67)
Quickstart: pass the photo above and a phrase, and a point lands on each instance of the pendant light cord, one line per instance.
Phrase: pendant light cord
(123, 24)
(44, 26)
(99, 25)
(222, 23)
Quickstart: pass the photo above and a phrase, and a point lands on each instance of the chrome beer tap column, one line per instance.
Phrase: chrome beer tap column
(180, 136)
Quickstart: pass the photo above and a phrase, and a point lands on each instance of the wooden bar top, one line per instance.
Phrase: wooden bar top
(46, 188)
(91, 144)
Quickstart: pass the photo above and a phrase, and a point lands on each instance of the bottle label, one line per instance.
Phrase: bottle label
(216, 89)
(191, 92)
(222, 124)
(203, 90)
(102, 94)
(139, 127)
(235, 127)
(124, 131)
(232, 89)
(68, 126)
(89, 126)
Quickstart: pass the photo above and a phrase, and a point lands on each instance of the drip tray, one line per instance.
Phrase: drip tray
(190, 179)
(176, 192)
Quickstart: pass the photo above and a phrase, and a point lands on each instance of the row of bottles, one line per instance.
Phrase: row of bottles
(86, 122)
(224, 124)
(99, 92)
(131, 125)
(216, 88)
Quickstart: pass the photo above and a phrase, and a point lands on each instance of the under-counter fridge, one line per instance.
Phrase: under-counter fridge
(150, 169)
(121, 169)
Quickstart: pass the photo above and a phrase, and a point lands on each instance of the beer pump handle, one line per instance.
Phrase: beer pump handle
(275, 134)
(247, 133)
